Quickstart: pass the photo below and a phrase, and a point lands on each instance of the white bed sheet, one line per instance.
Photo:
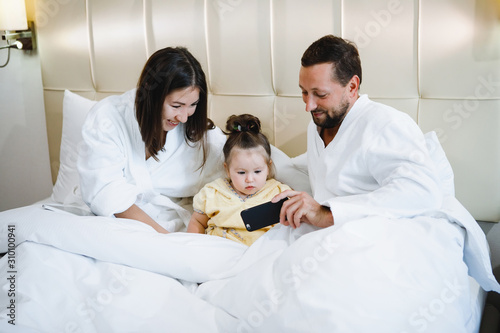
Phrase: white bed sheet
(95, 274)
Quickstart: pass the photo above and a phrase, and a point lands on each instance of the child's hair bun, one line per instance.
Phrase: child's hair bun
(242, 123)
(244, 132)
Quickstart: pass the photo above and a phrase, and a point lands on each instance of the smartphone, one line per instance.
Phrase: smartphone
(263, 215)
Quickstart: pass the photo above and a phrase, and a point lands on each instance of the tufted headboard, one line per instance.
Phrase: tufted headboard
(438, 61)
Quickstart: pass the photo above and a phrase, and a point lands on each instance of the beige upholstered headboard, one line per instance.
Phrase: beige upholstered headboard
(438, 61)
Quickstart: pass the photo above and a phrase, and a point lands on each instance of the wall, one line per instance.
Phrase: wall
(24, 162)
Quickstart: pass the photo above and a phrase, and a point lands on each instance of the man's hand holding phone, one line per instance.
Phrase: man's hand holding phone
(302, 208)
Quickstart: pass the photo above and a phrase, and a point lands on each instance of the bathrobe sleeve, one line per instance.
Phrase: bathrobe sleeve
(107, 144)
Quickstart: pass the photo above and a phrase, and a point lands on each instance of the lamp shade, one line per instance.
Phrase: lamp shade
(13, 15)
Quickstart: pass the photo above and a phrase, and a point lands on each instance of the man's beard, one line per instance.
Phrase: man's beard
(338, 116)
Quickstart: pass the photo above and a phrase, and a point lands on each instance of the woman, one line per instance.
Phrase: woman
(147, 149)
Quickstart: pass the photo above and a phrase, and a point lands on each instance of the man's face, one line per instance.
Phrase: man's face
(325, 99)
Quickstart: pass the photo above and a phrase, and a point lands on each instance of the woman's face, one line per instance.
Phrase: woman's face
(178, 106)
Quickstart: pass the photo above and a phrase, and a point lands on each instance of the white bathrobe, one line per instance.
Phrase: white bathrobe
(378, 164)
(115, 174)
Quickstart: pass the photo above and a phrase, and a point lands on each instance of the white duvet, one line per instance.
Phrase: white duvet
(98, 274)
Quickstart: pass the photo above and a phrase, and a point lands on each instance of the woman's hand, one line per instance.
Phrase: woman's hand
(302, 208)
(161, 230)
(135, 213)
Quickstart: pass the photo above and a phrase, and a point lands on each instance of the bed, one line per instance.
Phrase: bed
(93, 274)
(78, 273)
(63, 272)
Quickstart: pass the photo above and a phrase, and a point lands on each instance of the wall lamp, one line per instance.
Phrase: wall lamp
(17, 31)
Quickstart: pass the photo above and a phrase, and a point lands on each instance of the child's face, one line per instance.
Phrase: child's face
(248, 170)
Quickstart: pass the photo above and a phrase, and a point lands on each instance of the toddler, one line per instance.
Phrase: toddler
(249, 182)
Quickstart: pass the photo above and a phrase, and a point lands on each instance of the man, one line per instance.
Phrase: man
(364, 158)
(367, 159)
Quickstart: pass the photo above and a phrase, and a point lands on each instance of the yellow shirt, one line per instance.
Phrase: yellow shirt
(220, 202)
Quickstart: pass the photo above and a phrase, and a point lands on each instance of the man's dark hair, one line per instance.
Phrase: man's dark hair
(342, 53)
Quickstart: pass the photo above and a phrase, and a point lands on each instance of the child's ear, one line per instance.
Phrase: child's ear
(226, 169)
(270, 170)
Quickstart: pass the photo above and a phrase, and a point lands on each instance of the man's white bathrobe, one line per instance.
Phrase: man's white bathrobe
(115, 174)
(378, 164)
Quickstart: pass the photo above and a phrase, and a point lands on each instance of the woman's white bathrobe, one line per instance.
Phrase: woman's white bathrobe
(378, 164)
(114, 172)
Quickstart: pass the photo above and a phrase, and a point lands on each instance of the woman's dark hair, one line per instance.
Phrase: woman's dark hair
(165, 71)
(342, 53)
(244, 132)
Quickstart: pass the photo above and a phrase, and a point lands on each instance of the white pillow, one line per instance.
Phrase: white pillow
(288, 172)
(75, 109)
(443, 167)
